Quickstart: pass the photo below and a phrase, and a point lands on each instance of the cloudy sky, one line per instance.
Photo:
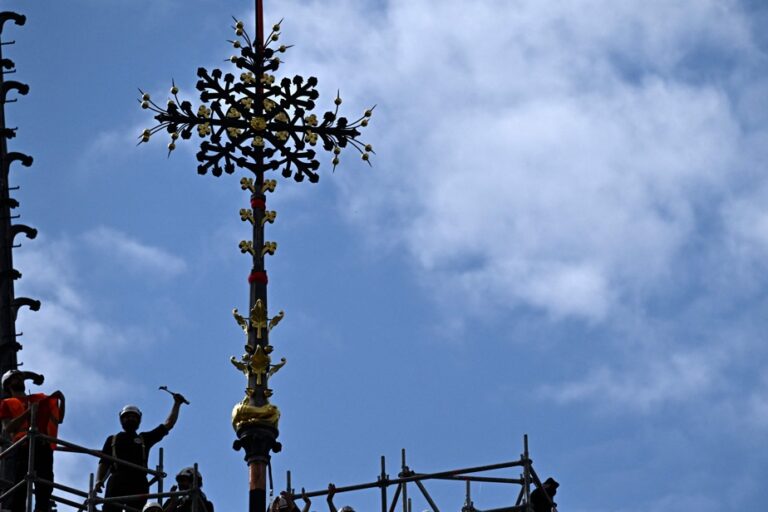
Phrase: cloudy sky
(564, 234)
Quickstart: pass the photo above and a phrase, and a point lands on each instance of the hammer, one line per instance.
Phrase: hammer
(174, 395)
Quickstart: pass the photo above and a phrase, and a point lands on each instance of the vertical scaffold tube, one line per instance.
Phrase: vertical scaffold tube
(383, 482)
(31, 441)
(526, 475)
(160, 473)
(404, 472)
(91, 494)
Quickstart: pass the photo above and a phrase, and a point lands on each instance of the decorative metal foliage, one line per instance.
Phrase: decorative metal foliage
(256, 122)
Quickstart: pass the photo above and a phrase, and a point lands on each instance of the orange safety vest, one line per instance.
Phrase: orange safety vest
(17, 407)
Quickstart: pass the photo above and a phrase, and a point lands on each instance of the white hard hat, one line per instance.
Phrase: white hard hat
(281, 503)
(347, 508)
(152, 506)
(130, 409)
(8, 375)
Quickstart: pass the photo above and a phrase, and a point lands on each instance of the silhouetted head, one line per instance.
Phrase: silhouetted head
(551, 485)
(130, 418)
(185, 478)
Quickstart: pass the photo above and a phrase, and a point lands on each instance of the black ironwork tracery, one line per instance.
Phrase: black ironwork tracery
(255, 122)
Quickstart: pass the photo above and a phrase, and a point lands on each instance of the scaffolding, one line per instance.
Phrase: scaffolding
(407, 475)
(91, 501)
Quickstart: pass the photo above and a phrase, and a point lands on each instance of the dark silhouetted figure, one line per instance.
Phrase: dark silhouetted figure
(185, 480)
(329, 499)
(542, 498)
(131, 446)
(285, 503)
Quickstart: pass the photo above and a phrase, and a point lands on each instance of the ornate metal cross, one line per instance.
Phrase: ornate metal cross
(259, 123)
(255, 122)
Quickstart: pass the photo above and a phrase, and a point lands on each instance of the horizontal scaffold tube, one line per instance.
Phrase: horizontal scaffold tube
(101, 455)
(413, 478)
(175, 494)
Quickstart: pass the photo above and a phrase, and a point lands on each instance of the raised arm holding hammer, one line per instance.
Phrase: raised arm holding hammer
(131, 446)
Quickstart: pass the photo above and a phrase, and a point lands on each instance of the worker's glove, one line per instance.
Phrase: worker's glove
(179, 398)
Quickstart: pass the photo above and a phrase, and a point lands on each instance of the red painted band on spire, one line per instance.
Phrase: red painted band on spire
(260, 277)
(258, 204)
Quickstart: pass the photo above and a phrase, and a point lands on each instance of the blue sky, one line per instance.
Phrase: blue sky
(565, 234)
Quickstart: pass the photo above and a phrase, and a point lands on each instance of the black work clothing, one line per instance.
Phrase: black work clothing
(17, 501)
(539, 499)
(125, 481)
(184, 504)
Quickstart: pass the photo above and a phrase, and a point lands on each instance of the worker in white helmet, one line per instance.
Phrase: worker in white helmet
(131, 446)
(15, 413)
(284, 503)
(329, 499)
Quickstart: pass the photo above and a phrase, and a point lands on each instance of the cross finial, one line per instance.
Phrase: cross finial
(254, 121)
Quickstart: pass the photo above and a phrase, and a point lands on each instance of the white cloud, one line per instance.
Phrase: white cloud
(746, 219)
(70, 336)
(559, 160)
(645, 383)
(73, 341)
(584, 159)
(134, 254)
(66, 337)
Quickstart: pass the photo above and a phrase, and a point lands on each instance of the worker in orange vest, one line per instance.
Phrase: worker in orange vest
(15, 412)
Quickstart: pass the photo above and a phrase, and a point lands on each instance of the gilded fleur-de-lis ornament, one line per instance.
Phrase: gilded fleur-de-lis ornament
(257, 320)
(258, 362)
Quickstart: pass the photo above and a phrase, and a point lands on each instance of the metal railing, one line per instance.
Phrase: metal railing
(406, 476)
(82, 500)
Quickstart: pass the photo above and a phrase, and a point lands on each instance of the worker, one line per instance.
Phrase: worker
(185, 481)
(15, 412)
(152, 506)
(541, 497)
(133, 447)
(285, 503)
(329, 499)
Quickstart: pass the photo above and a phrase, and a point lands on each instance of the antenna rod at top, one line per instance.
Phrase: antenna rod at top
(259, 23)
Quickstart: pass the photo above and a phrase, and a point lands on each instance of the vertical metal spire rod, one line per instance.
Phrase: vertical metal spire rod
(9, 303)
(8, 344)
(257, 464)
(259, 12)
(257, 124)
